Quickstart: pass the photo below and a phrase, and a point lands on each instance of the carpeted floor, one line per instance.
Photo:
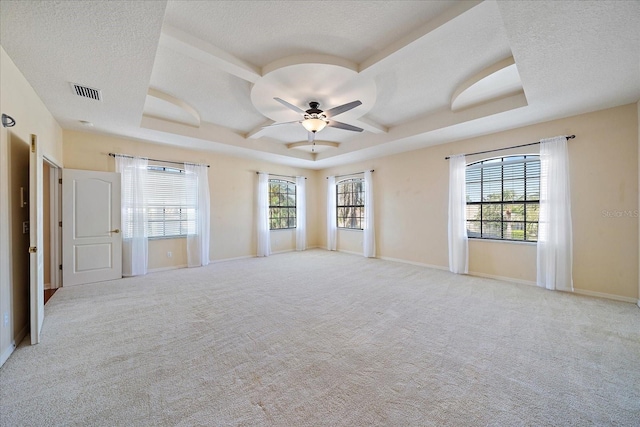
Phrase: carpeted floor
(325, 339)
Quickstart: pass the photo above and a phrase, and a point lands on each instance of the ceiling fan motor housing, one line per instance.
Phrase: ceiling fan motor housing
(314, 108)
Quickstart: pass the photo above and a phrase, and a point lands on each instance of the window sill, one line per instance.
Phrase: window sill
(349, 229)
(515, 242)
(183, 236)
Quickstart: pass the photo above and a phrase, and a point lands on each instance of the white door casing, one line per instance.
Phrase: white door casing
(91, 235)
(36, 234)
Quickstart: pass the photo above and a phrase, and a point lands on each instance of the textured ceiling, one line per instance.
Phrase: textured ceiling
(203, 74)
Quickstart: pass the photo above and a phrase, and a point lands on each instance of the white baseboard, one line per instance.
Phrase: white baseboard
(8, 352)
(283, 252)
(47, 286)
(215, 261)
(23, 333)
(502, 278)
(295, 250)
(173, 267)
(606, 296)
(520, 281)
(17, 340)
(349, 252)
(419, 264)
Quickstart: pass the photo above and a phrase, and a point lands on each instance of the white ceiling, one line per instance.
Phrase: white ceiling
(203, 74)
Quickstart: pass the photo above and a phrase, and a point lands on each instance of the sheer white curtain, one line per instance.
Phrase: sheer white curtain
(301, 213)
(264, 241)
(555, 242)
(198, 237)
(458, 240)
(369, 222)
(135, 244)
(332, 227)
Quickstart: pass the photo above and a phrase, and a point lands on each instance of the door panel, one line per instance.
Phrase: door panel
(91, 237)
(36, 240)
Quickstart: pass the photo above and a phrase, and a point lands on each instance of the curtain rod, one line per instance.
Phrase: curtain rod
(507, 148)
(347, 174)
(156, 160)
(284, 176)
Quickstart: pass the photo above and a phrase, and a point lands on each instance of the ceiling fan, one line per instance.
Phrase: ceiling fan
(314, 119)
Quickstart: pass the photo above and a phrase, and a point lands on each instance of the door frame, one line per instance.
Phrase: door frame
(55, 221)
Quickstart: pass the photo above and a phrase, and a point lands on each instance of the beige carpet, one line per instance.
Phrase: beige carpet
(325, 339)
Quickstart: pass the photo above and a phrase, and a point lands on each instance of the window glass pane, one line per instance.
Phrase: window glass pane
(533, 188)
(282, 203)
(533, 212)
(473, 192)
(513, 189)
(532, 231)
(350, 203)
(513, 230)
(473, 229)
(492, 212)
(473, 212)
(513, 212)
(492, 229)
(492, 191)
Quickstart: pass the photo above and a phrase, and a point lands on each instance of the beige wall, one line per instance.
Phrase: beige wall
(232, 184)
(18, 100)
(411, 193)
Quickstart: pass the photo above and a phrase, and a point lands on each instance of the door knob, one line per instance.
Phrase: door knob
(117, 230)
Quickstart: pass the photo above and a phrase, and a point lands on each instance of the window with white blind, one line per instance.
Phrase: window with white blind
(503, 198)
(170, 203)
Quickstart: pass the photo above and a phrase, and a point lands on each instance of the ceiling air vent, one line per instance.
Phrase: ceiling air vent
(86, 92)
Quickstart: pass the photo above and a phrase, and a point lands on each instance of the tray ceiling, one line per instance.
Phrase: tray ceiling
(204, 74)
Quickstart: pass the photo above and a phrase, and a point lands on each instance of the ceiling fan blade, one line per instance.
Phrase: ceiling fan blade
(341, 108)
(340, 125)
(281, 123)
(290, 106)
(311, 137)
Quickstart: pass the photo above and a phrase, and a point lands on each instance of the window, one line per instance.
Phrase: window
(170, 203)
(503, 198)
(350, 203)
(282, 204)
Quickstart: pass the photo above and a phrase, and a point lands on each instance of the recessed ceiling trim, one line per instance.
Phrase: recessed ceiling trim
(305, 144)
(155, 93)
(368, 66)
(310, 58)
(496, 81)
(200, 50)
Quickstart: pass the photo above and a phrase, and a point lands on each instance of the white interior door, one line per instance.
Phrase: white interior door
(36, 235)
(91, 237)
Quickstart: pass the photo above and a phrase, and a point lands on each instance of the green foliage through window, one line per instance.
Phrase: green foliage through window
(282, 204)
(350, 203)
(503, 198)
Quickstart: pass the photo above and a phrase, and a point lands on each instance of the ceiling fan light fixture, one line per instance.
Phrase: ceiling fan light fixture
(314, 124)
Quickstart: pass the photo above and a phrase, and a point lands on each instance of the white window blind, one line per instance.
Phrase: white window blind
(503, 198)
(171, 203)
